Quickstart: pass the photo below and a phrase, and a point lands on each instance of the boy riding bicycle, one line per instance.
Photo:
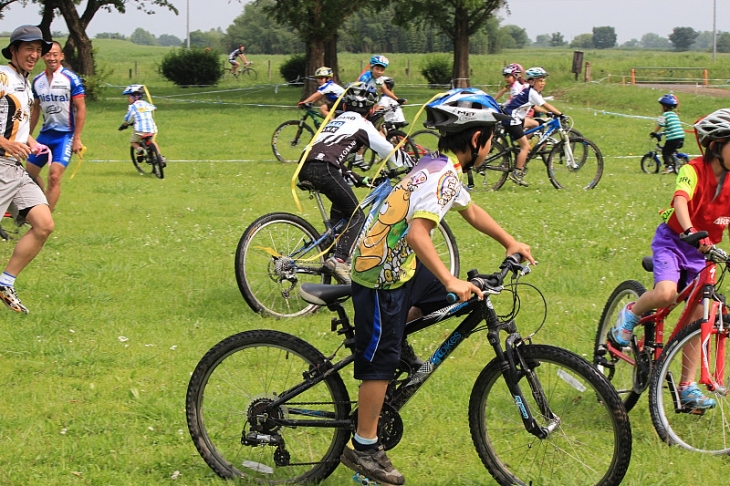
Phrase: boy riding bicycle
(518, 108)
(328, 89)
(673, 132)
(234, 56)
(701, 203)
(325, 168)
(396, 266)
(139, 114)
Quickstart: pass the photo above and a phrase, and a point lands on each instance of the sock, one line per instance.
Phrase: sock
(362, 444)
(7, 280)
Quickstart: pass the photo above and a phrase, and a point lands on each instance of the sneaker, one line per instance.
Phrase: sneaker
(622, 331)
(339, 269)
(691, 397)
(518, 177)
(10, 298)
(360, 163)
(373, 464)
(668, 170)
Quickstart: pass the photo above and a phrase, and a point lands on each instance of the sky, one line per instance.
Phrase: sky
(630, 18)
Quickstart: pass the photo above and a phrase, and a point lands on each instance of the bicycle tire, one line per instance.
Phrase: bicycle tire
(620, 373)
(251, 73)
(270, 285)
(142, 167)
(649, 163)
(240, 374)
(445, 243)
(680, 160)
(592, 444)
(588, 168)
(706, 433)
(496, 167)
(155, 160)
(394, 137)
(425, 142)
(289, 141)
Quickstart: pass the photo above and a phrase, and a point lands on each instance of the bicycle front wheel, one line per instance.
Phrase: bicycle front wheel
(290, 139)
(581, 169)
(495, 167)
(239, 435)
(628, 380)
(706, 431)
(141, 165)
(275, 255)
(425, 142)
(251, 73)
(650, 163)
(590, 446)
(445, 243)
(395, 137)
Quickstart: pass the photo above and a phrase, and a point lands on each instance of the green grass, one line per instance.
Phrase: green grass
(137, 281)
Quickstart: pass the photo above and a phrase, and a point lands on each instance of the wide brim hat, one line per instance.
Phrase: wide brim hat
(27, 33)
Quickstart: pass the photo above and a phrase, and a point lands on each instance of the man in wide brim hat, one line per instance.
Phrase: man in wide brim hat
(26, 33)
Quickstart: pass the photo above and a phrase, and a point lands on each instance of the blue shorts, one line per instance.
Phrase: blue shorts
(671, 256)
(61, 145)
(380, 321)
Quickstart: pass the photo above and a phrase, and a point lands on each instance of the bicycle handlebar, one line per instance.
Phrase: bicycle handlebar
(485, 282)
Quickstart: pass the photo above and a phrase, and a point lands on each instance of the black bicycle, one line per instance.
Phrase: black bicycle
(270, 408)
(150, 161)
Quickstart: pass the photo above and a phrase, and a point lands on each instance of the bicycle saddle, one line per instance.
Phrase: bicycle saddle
(306, 186)
(323, 294)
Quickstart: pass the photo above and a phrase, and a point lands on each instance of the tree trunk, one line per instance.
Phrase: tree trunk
(78, 49)
(315, 59)
(330, 57)
(460, 74)
(47, 19)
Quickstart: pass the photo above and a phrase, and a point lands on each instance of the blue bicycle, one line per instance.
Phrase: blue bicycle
(279, 252)
(572, 161)
(652, 160)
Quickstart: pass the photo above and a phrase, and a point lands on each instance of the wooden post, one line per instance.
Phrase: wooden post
(633, 76)
(704, 76)
(408, 69)
(135, 69)
(269, 69)
(130, 73)
(587, 78)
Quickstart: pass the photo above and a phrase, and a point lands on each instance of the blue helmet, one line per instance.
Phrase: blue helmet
(536, 73)
(462, 108)
(378, 60)
(669, 99)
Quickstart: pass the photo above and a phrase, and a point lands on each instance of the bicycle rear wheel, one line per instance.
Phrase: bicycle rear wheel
(679, 161)
(155, 160)
(495, 167)
(649, 163)
(585, 169)
(590, 446)
(275, 255)
(445, 243)
(239, 436)
(289, 140)
(395, 137)
(624, 376)
(707, 432)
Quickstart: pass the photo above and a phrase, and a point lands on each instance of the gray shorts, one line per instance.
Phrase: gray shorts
(17, 187)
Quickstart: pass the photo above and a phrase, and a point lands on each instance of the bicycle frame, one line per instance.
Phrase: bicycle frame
(700, 292)
(476, 312)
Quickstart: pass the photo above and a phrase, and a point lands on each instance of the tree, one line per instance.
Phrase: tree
(317, 23)
(654, 41)
(682, 38)
(142, 37)
(582, 41)
(213, 39)
(168, 40)
(703, 42)
(723, 42)
(458, 19)
(542, 40)
(518, 35)
(79, 49)
(604, 37)
(259, 33)
(631, 44)
(556, 40)
(5, 4)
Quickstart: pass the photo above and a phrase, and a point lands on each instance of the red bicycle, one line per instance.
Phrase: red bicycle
(650, 363)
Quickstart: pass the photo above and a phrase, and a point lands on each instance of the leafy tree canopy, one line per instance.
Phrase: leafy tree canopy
(582, 41)
(604, 37)
(682, 38)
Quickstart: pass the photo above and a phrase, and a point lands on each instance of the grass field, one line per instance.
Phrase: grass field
(137, 281)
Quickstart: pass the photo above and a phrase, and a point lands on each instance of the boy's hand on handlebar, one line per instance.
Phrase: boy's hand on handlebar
(401, 101)
(523, 249)
(123, 126)
(463, 289)
(654, 135)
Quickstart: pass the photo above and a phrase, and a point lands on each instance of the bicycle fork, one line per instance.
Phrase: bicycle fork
(514, 367)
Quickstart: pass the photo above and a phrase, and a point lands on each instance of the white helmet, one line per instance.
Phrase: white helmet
(715, 126)
(535, 73)
(323, 72)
